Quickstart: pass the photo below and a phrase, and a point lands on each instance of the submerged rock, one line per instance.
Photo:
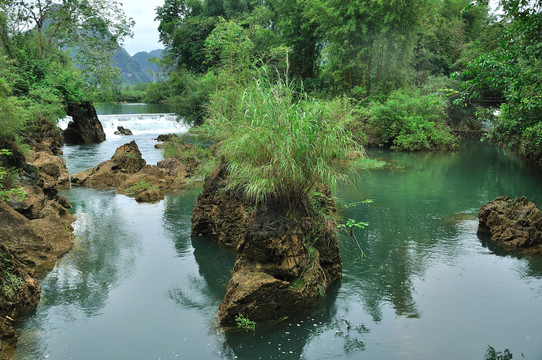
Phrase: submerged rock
(121, 130)
(283, 266)
(111, 173)
(85, 128)
(514, 224)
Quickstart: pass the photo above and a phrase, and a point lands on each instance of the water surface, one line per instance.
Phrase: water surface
(136, 286)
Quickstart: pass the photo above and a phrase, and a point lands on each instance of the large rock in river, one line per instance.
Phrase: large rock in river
(283, 266)
(126, 161)
(85, 128)
(514, 224)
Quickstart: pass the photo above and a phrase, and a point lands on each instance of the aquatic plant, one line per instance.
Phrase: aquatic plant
(245, 323)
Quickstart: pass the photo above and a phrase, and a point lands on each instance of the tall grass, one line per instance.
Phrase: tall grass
(279, 144)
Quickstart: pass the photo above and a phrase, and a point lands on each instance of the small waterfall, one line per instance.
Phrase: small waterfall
(140, 124)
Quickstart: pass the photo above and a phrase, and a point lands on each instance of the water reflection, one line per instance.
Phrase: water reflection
(288, 338)
(79, 286)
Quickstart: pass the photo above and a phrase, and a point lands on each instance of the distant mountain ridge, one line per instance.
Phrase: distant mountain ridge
(137, 68)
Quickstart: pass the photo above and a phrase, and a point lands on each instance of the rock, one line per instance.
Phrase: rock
(111, 173)
(214, 214)
(514, 224)
(48, 138)
(36, 243)
(123, 131)
(19, 292)
(16, 159)
(85, 128)
(283, 266)
(149, 195)
(175, 168)
(149, 176)
(53, 169)
(166, 137)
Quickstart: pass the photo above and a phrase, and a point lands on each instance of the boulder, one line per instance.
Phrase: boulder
(53, 169)
(35, 242)
(149, 195)
(514, 224)
(111, 173)
(123, 131)
(166, 137)
(282, 267)
(85, 128)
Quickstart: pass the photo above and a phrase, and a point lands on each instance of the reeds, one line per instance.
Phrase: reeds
(279, 144)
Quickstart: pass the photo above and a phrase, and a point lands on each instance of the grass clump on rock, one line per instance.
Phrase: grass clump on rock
(279, 144)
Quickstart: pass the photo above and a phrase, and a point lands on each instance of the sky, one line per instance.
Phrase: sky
(145, 28)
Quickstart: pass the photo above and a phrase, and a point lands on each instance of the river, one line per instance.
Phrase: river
(136, 286)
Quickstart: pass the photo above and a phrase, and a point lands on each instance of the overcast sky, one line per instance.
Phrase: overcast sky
(145, 28)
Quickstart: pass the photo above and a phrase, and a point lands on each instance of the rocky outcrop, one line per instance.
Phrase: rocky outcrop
(514, 224)
(19, 292)
(48, 138)
(121, 130)
(283, 266)
(111, 173)
(34, 231)
(53, 169)
(224, 217)
(85, 128)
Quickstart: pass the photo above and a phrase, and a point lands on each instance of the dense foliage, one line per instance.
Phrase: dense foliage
(512, 73)
(38, 40)
(366, 51)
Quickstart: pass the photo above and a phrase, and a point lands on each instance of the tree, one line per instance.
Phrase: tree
(368, 44)
(90, 29)
(514, 70)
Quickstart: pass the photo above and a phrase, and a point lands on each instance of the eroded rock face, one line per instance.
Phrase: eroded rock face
(282, 267)
(20, 292)
(85, 128)
(35, 242)
(214, 214)
(111, 173)
(514, 224)
(53, 169)
(48, 138)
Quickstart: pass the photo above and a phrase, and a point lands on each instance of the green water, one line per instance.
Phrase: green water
(136, 286)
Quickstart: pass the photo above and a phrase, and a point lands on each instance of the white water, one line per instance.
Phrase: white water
(139, 124)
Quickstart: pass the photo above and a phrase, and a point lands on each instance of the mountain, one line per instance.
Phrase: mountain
(136, 68)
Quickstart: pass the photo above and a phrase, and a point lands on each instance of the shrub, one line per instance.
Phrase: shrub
(411, 122)
(279, 144)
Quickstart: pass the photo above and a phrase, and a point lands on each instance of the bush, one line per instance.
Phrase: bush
(280, 145)
(411, 122)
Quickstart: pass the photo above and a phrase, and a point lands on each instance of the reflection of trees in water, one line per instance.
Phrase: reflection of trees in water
(177, 218)
(214, 263)
(407, 227)
(105, 251)
(492, 354)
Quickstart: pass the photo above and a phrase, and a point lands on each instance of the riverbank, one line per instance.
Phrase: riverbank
(35, 229)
